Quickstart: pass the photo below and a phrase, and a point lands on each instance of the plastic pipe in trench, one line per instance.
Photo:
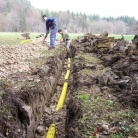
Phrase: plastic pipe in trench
(52, 130)
(64, 90)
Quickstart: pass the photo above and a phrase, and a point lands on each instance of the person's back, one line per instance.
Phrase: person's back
(50, 24)
(65, 35)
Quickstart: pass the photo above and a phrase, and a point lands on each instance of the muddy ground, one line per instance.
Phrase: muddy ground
(102, 95)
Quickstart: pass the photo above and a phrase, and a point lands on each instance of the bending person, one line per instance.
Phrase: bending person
(51, 26)
(66, 39)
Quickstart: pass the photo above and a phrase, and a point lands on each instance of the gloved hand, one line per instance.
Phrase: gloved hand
(45, 37)
(60, 41)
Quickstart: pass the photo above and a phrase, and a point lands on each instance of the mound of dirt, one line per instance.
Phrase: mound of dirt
(122, 57)
(103, 96)
(16, 59)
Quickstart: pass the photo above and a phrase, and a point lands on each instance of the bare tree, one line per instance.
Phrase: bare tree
(135, 28)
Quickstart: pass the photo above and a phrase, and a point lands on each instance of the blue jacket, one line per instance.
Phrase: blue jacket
(50, 24)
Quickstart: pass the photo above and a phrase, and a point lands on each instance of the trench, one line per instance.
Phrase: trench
(30, 107)
(33, 109)
(53, 116)
(63, 117)
(33, 103)
(26, 96)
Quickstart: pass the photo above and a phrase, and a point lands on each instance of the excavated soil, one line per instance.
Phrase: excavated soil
(17, 59)
(29, 77)
(101, 101)
(104, 104)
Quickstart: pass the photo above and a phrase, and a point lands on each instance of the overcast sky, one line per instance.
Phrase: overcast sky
(104, 8)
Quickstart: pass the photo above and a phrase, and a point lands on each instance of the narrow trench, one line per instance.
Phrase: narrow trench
(72, 110)
(62, 117)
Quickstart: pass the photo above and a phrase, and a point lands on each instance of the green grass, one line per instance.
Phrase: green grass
(127, 37)
(13, 39)
(97, 108)
(73, 35)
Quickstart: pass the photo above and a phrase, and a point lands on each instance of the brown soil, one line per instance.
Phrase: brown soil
(102, 95)
(25, 92)
(92, 105)
(104, 104)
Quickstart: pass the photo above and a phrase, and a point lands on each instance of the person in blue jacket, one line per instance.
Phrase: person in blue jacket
(51, 27)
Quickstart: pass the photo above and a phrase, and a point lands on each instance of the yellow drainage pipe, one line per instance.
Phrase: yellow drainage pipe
(25, 41)
(69, 65)
(69, 62)
(67, 74)
(51, 131)
(62, 96)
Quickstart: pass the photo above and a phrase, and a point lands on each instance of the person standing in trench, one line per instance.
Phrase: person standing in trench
(66, 39)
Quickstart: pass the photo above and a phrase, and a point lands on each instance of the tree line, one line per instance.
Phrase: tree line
(21, 16)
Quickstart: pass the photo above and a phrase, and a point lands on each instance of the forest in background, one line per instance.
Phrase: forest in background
(21, 16)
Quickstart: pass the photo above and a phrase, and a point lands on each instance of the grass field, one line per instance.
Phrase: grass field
(127, 37)
(14, 39)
